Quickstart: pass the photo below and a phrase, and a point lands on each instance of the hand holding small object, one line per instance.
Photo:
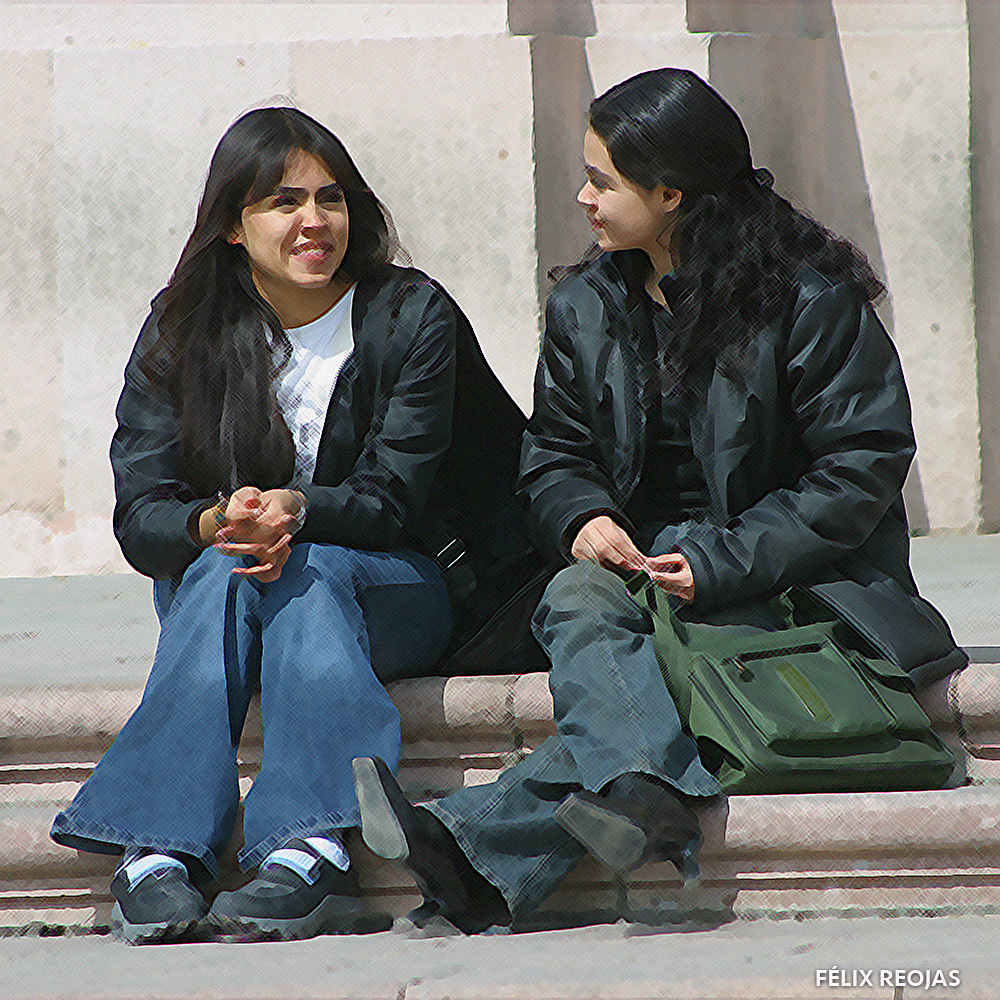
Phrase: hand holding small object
(260, 525)
(604, 541)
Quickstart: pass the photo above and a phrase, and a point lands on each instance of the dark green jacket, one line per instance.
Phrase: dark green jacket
(804, 463)
(419, 447)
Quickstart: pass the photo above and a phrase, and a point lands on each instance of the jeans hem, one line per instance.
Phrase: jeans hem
(103, 839)
(521, 899)
(659, 771)
(252, 858)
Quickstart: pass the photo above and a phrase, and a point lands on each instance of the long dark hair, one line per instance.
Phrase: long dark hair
(220, 344)
(737, 244)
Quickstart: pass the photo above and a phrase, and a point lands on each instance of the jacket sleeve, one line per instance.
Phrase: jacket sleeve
(152, 503)
(850, 410)
(563, 474)
(387, 489)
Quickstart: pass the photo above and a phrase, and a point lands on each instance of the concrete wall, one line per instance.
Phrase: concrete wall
(984, 73)
(467, 119)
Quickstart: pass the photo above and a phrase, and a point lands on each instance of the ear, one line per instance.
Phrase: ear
(671, 199)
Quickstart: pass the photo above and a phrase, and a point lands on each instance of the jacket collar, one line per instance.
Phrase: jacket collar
(630, 268)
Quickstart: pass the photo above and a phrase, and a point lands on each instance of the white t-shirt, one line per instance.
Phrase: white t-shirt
(319, 351)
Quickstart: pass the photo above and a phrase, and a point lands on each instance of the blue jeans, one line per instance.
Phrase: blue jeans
(319, 643)
(613, 715)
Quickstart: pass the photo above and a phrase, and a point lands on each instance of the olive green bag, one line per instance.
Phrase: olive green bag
(797, 710)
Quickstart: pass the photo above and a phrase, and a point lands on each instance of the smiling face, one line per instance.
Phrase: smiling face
(623, 215)
(296, 238)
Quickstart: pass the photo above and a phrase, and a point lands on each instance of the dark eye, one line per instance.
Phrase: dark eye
(281, 200)
(332, 195)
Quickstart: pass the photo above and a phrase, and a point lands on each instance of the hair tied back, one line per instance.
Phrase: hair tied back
(764, 177)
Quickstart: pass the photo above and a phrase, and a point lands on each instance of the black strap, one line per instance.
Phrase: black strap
(455, 570)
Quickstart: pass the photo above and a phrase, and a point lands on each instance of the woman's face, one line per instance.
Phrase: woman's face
(296, 238)
(623, 215)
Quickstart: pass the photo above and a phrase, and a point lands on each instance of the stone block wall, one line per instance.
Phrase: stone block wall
(466, 118)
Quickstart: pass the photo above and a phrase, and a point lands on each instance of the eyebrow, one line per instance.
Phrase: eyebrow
(296, 192)
(597, 175)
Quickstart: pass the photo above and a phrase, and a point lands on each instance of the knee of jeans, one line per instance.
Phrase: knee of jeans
(581, 589)
(336, 564)
(310, 562)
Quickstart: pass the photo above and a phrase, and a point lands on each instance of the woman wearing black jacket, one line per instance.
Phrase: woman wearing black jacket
(717, 406)
(298, 465)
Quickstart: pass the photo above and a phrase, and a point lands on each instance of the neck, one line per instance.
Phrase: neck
(663, 264)
(306, 306)
(662, 260)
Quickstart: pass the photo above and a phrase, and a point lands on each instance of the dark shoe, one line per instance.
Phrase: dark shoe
(280, 904)
(634, 819)
(394, 829)
(162, 906)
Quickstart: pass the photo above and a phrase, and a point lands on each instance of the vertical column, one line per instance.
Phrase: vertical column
(984, 80)
(561, 91)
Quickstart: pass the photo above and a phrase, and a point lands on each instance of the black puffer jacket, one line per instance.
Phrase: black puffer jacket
(804, 463)
(419, 447)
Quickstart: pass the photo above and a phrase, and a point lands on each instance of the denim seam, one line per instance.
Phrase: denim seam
(104, 833)
(250, 858)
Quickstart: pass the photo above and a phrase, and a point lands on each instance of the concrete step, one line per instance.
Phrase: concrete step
(773, 855)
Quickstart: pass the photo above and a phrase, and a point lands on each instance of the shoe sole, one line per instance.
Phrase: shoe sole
(154, 933)
(434, 927)
(327, 918)
(380, 827)
(609, 837)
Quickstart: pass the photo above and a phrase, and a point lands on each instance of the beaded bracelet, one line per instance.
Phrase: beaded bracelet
(219, 510)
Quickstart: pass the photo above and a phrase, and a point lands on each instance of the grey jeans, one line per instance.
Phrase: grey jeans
(613, 715)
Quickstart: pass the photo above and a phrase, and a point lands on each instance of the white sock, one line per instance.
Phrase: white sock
(303, 863)
(332, 848)
(137, 868)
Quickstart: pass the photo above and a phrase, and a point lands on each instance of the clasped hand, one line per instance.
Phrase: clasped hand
(604, 541)
(258, 526)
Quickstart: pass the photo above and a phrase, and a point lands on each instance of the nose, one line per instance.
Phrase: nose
(585, 196)
(311, 216)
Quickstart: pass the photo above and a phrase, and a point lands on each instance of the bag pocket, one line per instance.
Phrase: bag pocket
(799, 692)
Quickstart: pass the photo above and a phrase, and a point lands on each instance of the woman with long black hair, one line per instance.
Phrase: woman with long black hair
(716, 406)
(299, 466)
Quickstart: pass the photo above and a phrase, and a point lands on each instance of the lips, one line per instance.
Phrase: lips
(312, 249)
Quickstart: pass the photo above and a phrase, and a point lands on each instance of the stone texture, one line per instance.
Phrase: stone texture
(551, 17)
(984, 75)
(30, 348)
(128, 25)
(450, 154)
(845, 853)
(562, 92)
(900, 15)
(614, 58)
(130, 172)
(910, 95)
(113, 177)
(665, 17)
